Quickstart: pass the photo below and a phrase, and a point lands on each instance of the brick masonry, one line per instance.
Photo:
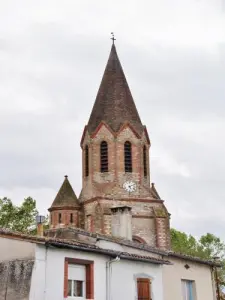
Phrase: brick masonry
(101, 191)
(65, 218)
(115, 119)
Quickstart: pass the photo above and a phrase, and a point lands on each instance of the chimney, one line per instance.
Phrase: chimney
(40, 228)
(122, 222)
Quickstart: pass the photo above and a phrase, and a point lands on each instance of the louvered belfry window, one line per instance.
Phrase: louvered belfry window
(104, 156)
(127, 157)
(86, 161)
(145, 160)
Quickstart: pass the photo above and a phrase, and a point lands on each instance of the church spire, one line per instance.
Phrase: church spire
(65, 197)
(114, 103)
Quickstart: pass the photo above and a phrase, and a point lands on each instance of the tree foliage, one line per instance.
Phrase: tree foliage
(18, 218)
(208, 246)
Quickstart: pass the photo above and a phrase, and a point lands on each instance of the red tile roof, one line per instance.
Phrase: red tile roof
(140, 246)
(77, 245)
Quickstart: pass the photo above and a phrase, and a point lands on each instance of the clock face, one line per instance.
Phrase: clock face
(129, 186)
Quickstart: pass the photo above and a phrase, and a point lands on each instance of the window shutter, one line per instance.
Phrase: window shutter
(90, 281)
(65, 279)
(104, 156)
(145, 160)
(128, 157)
(86, 161)
(143, 289)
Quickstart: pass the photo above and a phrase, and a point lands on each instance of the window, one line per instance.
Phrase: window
(104, 156)
(78, 279)
(71, 218)
(143, 289)
(188, 290)
(75, 288)
(86, 161)
(60, 218)
(145, 160)
(127, 157)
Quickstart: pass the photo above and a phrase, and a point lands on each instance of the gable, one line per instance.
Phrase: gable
(126, 133)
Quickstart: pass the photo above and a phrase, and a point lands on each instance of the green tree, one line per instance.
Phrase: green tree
(18, 218)
(208, 246)
(183, 243)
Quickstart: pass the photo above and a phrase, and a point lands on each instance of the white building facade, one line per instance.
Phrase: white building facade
(64, 275)
(68, 270)
(34, 268)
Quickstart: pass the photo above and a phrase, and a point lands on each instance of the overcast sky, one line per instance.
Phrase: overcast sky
(52, 57)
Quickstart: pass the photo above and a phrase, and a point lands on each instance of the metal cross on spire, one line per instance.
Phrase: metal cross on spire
(113, 37)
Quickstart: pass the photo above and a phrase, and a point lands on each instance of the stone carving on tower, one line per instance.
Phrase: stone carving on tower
(115, 168)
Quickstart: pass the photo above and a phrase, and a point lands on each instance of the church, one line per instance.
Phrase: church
(115, 169)
(113, 241)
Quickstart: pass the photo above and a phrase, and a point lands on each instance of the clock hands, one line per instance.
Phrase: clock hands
(129, 186)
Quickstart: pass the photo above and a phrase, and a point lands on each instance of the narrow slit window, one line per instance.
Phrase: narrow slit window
(127, 157)
(86, 161)
(60, 218)
(71, 218)
(145, 160)
(104, 156)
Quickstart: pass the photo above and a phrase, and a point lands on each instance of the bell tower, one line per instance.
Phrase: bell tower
(115, 159)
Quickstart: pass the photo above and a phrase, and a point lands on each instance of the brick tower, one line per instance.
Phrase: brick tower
(64, 210)
(115, 155)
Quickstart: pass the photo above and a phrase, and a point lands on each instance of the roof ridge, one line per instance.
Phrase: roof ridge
(140, 246)
(76, 244)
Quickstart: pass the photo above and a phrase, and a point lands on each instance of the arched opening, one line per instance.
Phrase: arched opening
(104, 156)
(128, 157)
(86, 161)
(138, 239)
(71, 218)
(145, 161)
(59, 218)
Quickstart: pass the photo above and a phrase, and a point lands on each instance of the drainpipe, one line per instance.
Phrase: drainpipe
(215, 258)
(46, 262)
(108, 276)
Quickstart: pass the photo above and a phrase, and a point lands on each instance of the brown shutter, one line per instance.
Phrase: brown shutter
(65, 279)
(90, 281)
(143, 288)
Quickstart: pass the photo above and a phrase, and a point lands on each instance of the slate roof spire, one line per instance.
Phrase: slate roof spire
(114, 103)
(65, 197)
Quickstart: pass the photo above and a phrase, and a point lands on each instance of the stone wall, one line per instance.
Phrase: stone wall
(15, 279)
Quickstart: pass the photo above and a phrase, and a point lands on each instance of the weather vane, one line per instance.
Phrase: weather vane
(113, 37)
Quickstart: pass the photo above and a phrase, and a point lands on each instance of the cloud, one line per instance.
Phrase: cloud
(52, 58)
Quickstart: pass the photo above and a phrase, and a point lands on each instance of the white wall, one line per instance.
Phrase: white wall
(14, 249)
(124, 275)
(48, 279)
(201, 274)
